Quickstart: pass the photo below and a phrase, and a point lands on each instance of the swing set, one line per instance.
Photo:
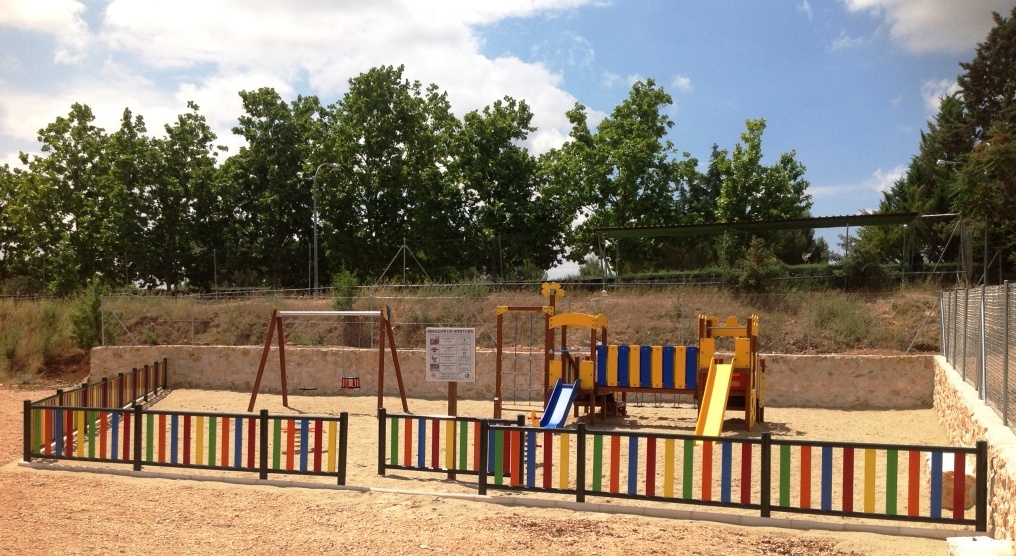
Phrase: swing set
(384, 331)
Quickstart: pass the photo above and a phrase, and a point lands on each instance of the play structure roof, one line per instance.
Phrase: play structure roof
(684, 230)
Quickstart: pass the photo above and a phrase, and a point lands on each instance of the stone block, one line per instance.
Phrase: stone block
(979, 546)
(949, 478)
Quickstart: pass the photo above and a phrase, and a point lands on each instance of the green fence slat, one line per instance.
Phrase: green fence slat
(597, 463)
(211, 440)
(90, 424)
(393, 443)
(891, 470)
(149, 436)
(785, 475)
(277, 443)
(498, 457)
(36, 430)
(689, 469)
(463, 445)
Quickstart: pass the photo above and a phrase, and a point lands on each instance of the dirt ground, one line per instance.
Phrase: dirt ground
(44, 512)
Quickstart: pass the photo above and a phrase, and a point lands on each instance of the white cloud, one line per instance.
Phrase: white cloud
(634, 78)
(880, 181)
(934, 91)
(167, 53)
(682, 83)
(805, 8)
(846, 41)
(934, 25)
(610, 79)
(59, 18)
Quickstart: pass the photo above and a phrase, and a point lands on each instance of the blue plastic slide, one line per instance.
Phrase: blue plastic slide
(556, 412)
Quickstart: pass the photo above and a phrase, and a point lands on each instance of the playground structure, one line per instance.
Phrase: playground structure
(384, 330)
(737, 385)
(594, 379)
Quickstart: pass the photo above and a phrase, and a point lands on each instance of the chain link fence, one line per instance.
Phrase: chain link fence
(977, 341)
(819, 321)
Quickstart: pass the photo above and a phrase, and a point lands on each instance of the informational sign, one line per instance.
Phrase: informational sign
(451, 354)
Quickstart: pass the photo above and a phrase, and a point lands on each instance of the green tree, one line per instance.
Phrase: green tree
(69, 205)
(626, 174)
(513, 222)
(926, 188)
(268, 189)
(186, 220)
(134, 170)
(988, 83)
(752, 191)
(391, 141)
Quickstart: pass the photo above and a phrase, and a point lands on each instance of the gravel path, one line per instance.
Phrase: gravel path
(48, 512)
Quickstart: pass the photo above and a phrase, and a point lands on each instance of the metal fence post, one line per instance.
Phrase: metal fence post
(966, 327)
(984, 347)
(808, 322)
(943, 341)
(1005, 353)
(952, 328)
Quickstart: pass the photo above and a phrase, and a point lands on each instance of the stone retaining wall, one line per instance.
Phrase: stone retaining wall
(830, 381)
(967, 419)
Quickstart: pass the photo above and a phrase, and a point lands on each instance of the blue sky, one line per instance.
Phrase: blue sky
(848, 85)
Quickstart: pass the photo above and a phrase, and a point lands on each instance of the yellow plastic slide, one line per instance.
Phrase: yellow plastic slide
(714, 399)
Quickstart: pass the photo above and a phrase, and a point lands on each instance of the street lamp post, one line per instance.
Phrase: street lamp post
(315, 218)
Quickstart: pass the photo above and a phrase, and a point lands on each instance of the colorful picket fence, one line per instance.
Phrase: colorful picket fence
(139, 385)
(880, 481)
(437, 443)
(53, 429)
(261, 443)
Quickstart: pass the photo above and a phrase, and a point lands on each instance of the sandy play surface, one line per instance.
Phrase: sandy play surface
(84, 513)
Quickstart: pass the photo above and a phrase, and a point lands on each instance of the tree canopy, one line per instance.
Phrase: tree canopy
(387, 165)
(965, 165)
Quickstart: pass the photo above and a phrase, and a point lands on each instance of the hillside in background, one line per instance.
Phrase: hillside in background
(37, 340)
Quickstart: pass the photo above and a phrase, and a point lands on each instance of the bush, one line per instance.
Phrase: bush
(758, 270)
(862, 270)
(86, 319)
(345, 288)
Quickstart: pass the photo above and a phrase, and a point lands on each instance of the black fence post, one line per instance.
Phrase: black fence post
(981, 494)
(134, 385)
(382, 439)
(27, 444)
(263, 442)
(481, 488)
(343, 437)
(146, 382)
(767, 471)
(137, 437)
(121, 390)
(580, 464)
